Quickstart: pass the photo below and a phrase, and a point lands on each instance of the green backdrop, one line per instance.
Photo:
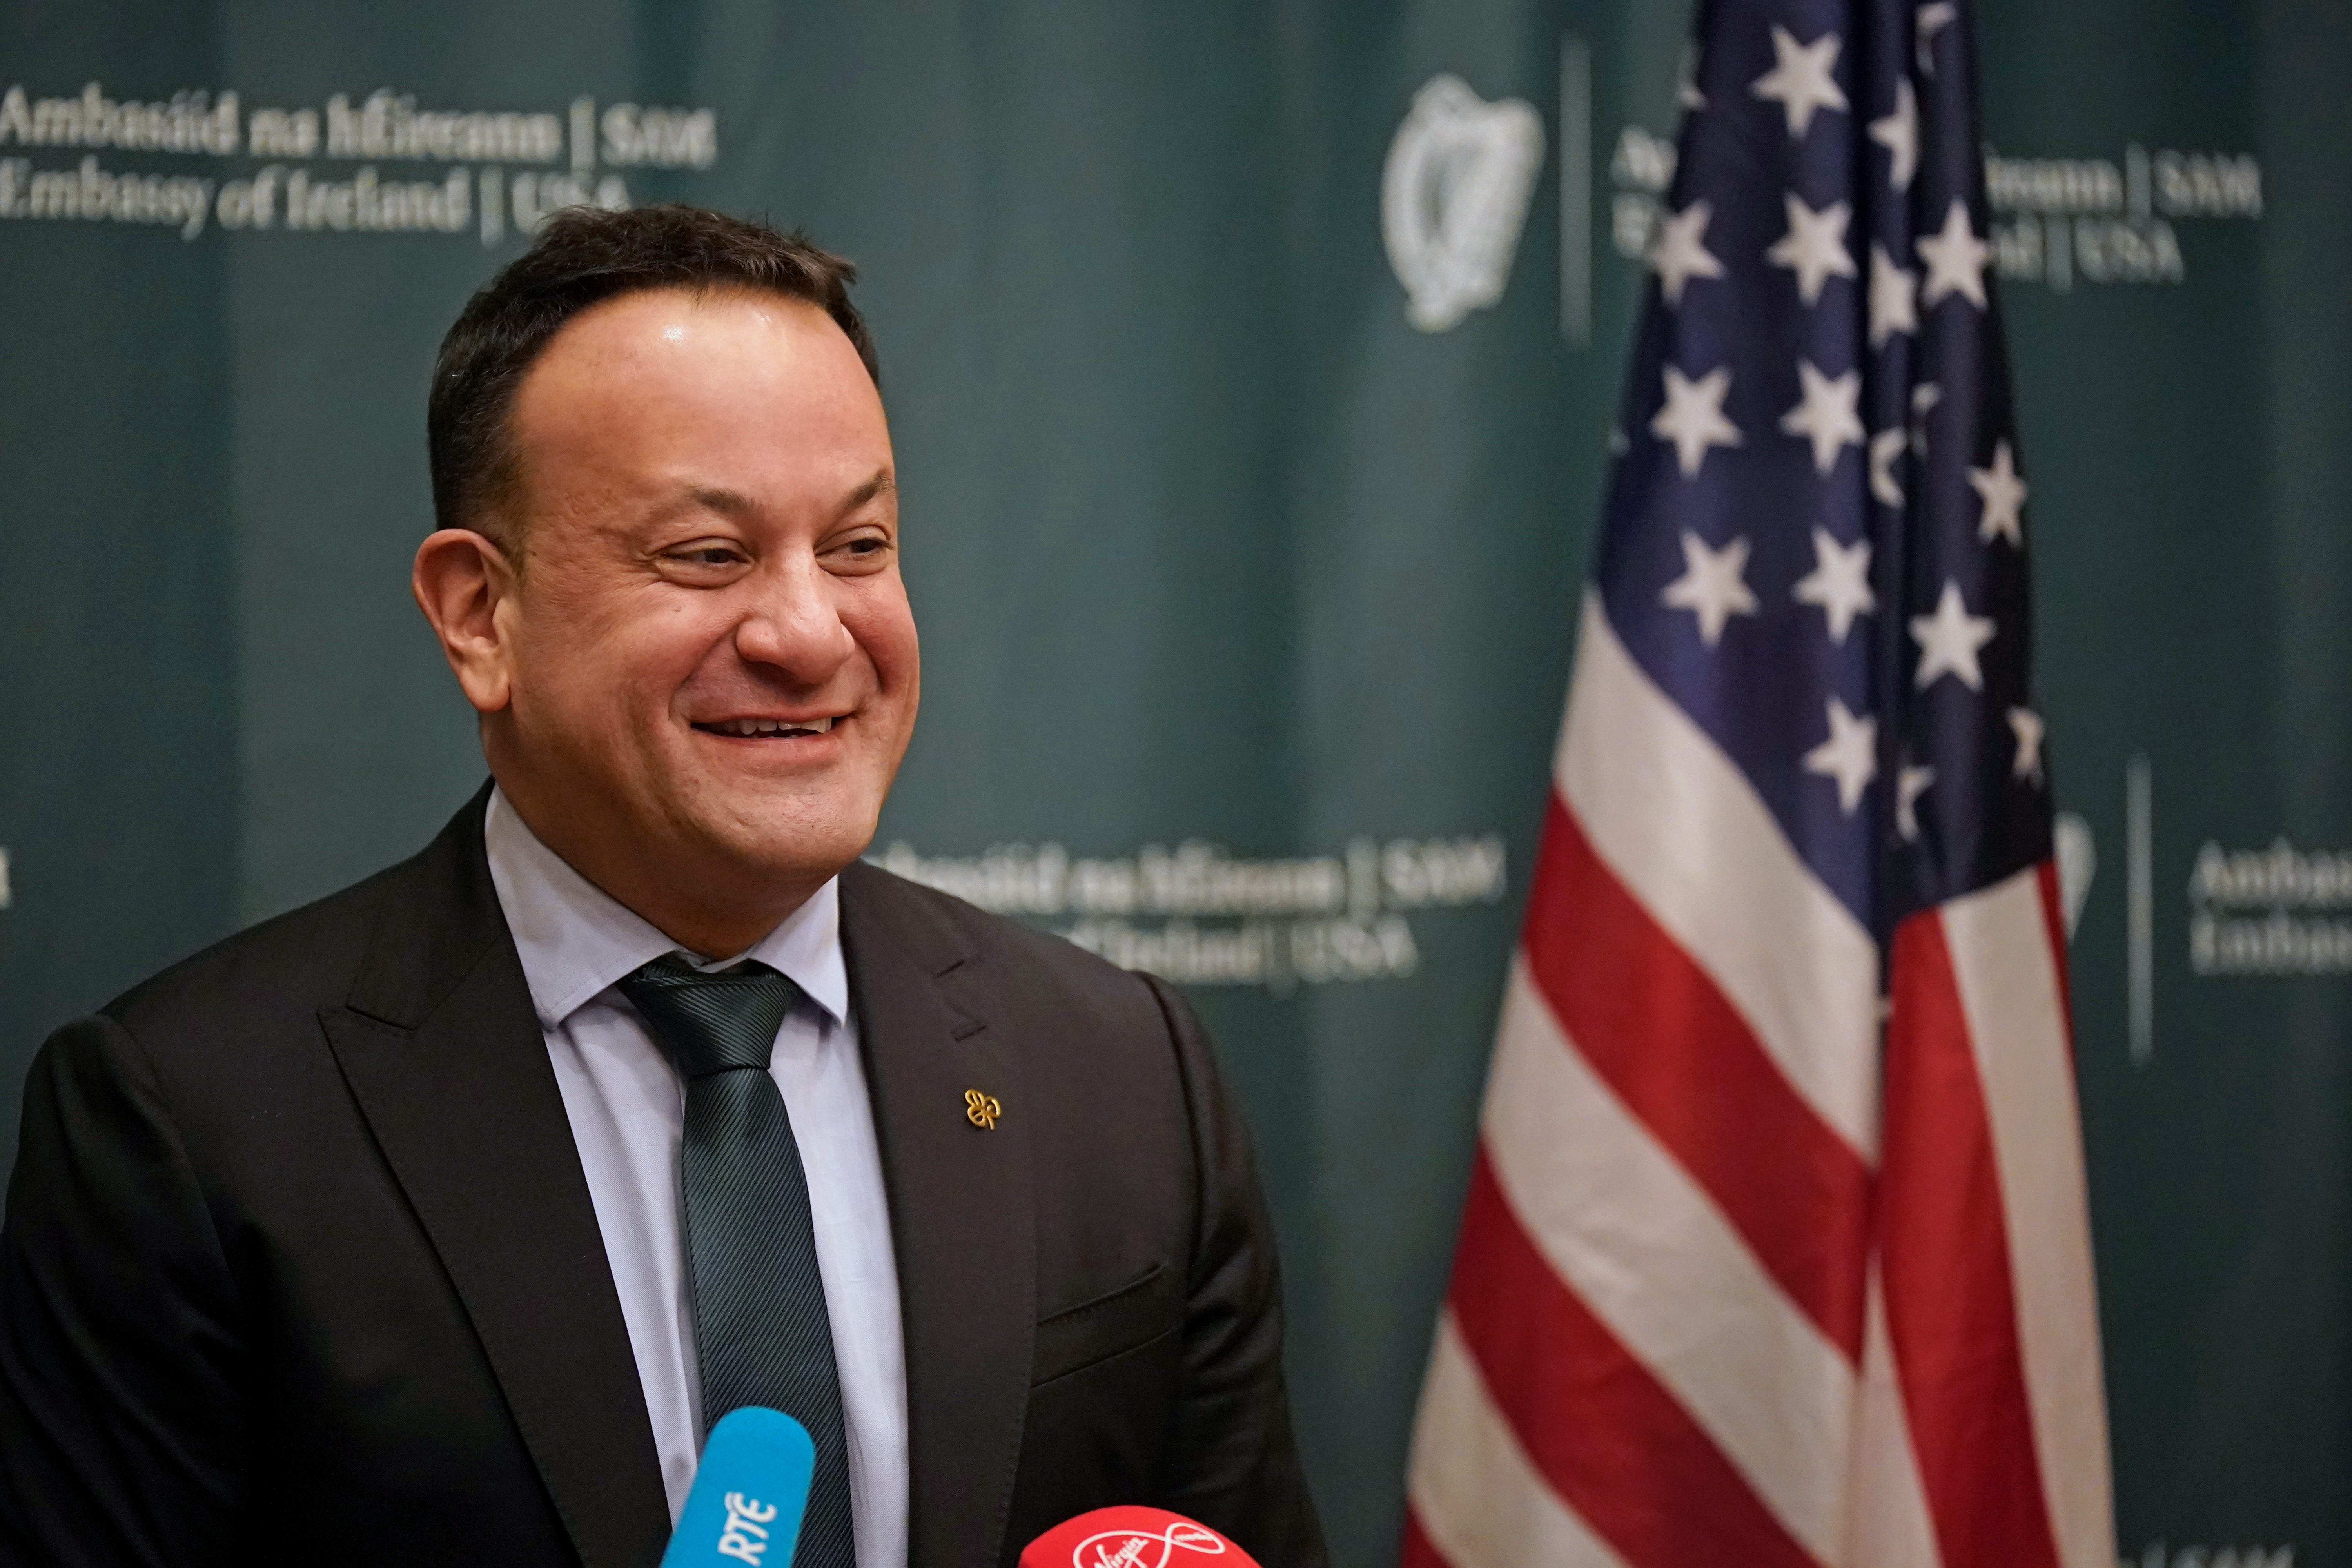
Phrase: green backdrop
(1248, 602)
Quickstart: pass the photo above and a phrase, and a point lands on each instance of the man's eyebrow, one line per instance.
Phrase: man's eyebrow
(709, 498)
(736, 504)
(881, 484)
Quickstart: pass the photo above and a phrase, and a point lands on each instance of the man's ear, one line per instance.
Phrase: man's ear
(460, 579)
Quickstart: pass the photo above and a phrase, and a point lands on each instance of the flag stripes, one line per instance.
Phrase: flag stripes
(1949, 1299)
(1599, 1429)
(1649, 1022)
(1464, 1449)
(1684, 830)
(1889, 1524)
(1648, 1173)
(2012, 993)
(1654, 1261)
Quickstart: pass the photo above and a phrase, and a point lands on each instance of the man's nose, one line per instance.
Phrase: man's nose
(795, 626)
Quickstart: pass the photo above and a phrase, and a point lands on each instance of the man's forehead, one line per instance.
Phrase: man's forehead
(658, 330)
(669, 367)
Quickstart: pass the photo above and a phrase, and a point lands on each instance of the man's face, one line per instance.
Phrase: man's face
(712, 668)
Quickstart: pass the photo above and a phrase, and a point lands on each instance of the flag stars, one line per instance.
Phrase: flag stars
(1815, 247)
(1949, 640)
(1801, 77)
(1826, 414)
(1899, 134)
(1931, 20)
(1924, 398)
(1955, 259)
(1693, 417)
(2002, 493)
(1850, 755)
(1893, 298)
(1910, 783)
(2027, 726)
(1681, 254)
(1713, 585)
(1885, 449)
(1839, 583)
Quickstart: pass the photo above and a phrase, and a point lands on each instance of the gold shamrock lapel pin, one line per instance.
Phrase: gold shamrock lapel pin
(982, 1109)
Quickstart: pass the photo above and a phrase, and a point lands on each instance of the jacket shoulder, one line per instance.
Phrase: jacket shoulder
(434, 910)
(237, 1024)
(944, 930)
(305, 958)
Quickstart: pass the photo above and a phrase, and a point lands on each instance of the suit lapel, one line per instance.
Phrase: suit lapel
(961, 1215)
(444, 1054)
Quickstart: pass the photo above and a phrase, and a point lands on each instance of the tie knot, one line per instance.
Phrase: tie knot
(711, 1021)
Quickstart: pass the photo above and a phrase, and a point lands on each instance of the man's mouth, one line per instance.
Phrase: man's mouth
(765, 729)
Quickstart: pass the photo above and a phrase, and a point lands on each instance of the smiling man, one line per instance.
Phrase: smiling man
(437, 1221)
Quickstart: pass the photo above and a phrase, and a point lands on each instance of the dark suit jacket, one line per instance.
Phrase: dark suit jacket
(300, 1263)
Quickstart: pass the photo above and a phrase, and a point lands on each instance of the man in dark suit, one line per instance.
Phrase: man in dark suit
(437, 1222)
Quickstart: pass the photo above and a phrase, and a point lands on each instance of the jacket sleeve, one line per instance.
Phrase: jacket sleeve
(124, 1438)
(1233, 1463)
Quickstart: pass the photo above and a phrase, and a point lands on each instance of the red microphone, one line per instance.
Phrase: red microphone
(1133, 1538)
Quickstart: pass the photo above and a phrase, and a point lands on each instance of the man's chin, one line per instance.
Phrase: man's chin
(786, 842)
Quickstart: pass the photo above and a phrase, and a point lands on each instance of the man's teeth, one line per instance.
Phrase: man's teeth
(749, 727)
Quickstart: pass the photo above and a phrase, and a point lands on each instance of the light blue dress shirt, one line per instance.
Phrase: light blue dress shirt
(626, 1108)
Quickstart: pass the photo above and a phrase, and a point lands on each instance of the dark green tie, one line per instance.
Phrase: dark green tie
(760, 1331)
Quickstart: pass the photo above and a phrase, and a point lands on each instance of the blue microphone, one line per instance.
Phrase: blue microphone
(749, 1494)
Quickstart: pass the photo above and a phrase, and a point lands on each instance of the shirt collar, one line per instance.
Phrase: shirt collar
(576, 941)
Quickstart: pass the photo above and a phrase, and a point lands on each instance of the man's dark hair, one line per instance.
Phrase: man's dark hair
(584, 256)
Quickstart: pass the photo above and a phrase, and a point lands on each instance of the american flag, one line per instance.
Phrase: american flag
(1776, 1249)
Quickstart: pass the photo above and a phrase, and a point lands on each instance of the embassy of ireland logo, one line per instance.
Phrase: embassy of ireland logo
(1454, 196)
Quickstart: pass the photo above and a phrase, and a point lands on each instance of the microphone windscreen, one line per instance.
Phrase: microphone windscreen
(749, 1494)
(1133, 1538)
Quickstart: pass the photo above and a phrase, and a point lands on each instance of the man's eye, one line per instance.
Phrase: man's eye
(714, 555)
